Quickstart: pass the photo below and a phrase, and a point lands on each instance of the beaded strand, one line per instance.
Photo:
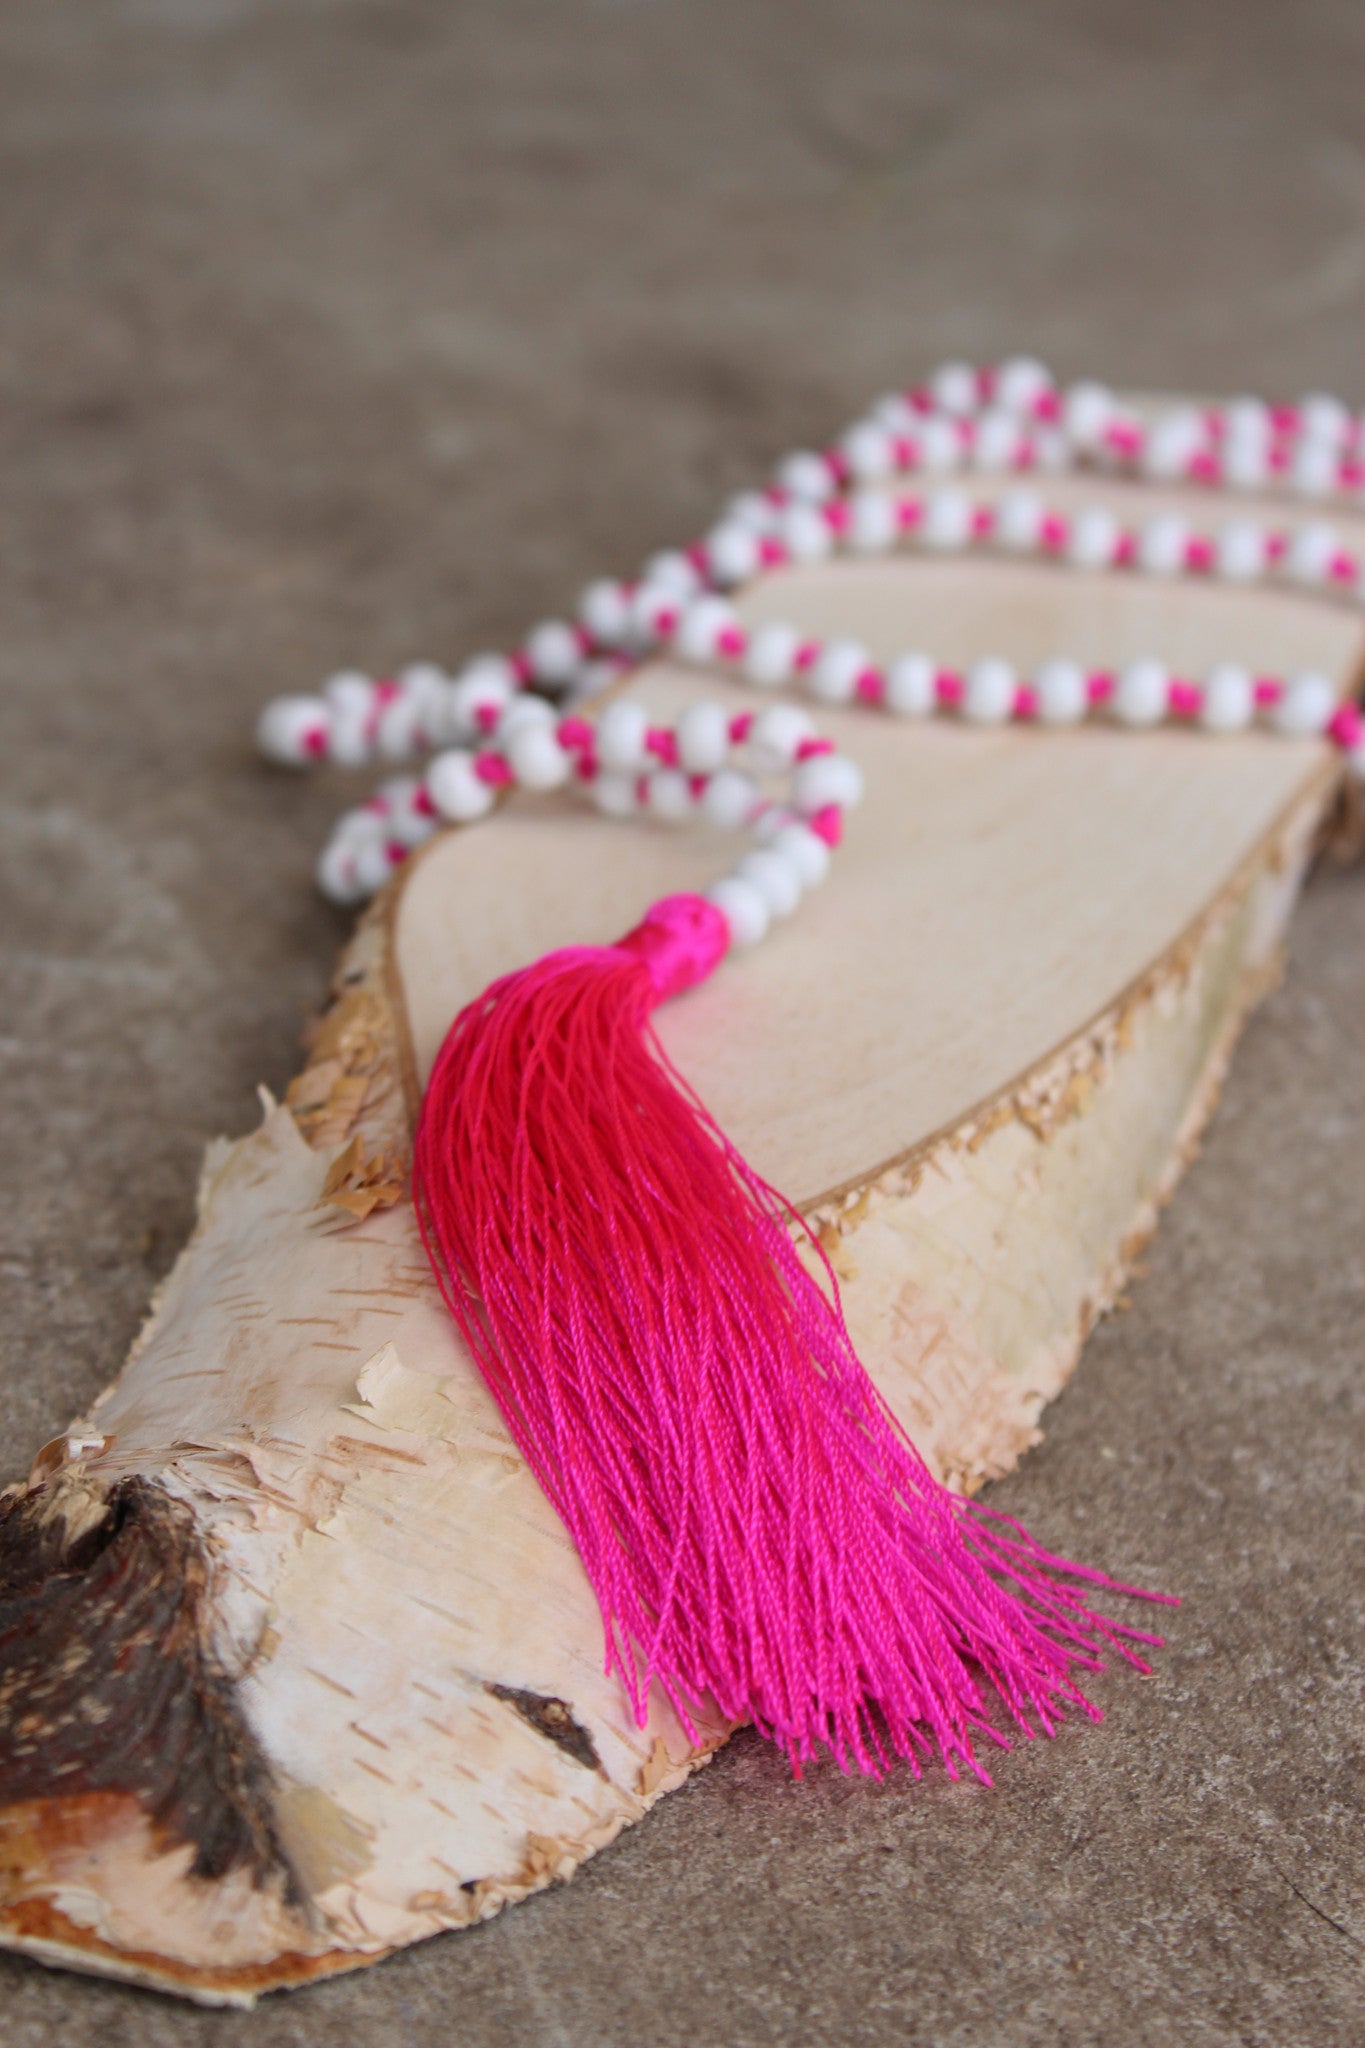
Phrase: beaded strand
(490, 727)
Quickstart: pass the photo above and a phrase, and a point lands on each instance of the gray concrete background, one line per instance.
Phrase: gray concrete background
(337, 330)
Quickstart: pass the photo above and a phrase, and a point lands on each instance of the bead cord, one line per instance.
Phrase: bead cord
(491, 727)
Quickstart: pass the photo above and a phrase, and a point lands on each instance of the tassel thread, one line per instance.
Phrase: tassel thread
(758, 1529)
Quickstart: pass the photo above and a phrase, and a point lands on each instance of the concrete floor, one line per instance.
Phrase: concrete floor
(357, 329)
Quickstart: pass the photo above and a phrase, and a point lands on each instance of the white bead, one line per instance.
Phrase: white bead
(537, 759)
(1246, 464)
(423, 681)
(670, 570)
(753, 511)
(834, 673)
(648, 602)
(743, 908)
(1323, 418)
(940, 446)
(947, 521)
(775, 878)
(703, 738)
(1247, 419)
(700, 627)
(1063, 698)
(827, 779)
(1051, 451)
(911, 686)
(604, 609)
(1307, 707)
(372, 865)
(806, 851)
(731, 554)
(806, 477)
(1087, 410)
(1094, 537)
(1229, 701)
(457, 791)
(1172, 441)
(1314, 473)
(1020, 382)
(770, 657)
(405, 821)
(869, 452)
(621, 735)
(953, 388)
(995, 445)
(1019, 517)
(1241, 552)
(397, 730)
(872, 522)
(553, 651)
(668, 795)
(488, 684)
(1162, 543)
(336, 875)
(728, 799)
(895, 413)
(805, 534)
(775, 736)
(286, 726)
(522, 711)
(351, 702)
(988, 696)
(615, 795)
(1141, 695)
(1312, 550)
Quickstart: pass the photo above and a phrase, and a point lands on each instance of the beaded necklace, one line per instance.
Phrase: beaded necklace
(756, 1525)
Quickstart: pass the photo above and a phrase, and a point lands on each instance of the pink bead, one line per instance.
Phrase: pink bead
(771, 551)
(1203, 466)
(1099, 687)
(1277, 547)
(1343, 568)
(1025, 701)
(836, 462)
(905, 452)
(574, 733)
(837, 515)
(385, 689)
(1351, 475)
(948, 686)
(587, 765)
(522, 667)
(486, 717)
(871, 686)
(315, 743)
(1199, 554)
(663, 745)
(828, 824)
(983, 522)
(698, 556)
(909, 512)
(1285, 419)
(1047, 406)
(741, 725)
(1347, 727)
(492, 769)
(1054, 531)
(1278, 458)
(422, 803)
(1125, 553)
(1185, 699)
(1267, 690)
(807, 654)
(665, 622)
(811, 750)
(1124, 438)
(731, 642)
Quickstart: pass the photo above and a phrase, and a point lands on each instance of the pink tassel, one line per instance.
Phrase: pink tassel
(757, 1527)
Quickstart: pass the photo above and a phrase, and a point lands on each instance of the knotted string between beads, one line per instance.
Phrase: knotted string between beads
(759, 1531)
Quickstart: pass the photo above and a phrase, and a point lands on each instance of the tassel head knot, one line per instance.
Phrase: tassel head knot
(681, 940)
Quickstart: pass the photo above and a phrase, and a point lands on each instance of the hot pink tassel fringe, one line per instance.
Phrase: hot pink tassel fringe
(757, 1527)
